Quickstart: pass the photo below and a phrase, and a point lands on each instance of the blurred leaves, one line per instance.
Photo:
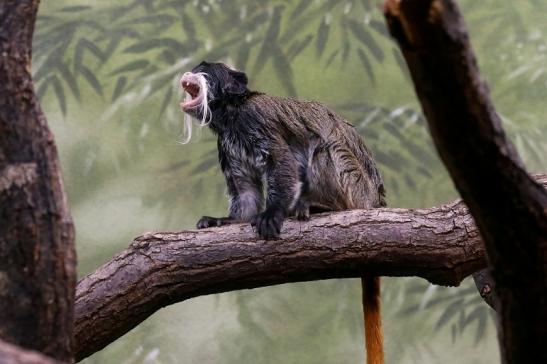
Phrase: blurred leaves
(460, 310)
(363, 36)
(131, 66)
(120, 84)
(276, 32)
(331, 328)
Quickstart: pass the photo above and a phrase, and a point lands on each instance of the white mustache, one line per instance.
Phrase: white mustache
(200, 102)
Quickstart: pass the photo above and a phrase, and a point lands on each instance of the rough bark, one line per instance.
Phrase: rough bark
(441, 245)
(37, 260)
(11, 354)
(510, 208)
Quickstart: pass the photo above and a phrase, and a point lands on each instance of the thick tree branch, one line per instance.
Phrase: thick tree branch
(510, 208)
(158, 269)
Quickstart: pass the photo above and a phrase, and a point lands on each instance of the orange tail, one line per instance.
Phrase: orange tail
(374, 338)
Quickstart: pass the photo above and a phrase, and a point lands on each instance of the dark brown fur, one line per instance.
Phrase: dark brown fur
(340, 171)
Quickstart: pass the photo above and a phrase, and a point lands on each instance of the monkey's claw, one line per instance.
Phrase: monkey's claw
(268, 224)
(303, 215)
(302, 211)
(208, 221)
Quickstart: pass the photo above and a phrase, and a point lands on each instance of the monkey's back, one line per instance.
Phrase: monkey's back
(340, 169)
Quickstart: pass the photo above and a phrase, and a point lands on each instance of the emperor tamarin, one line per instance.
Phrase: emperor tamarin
(310, 159)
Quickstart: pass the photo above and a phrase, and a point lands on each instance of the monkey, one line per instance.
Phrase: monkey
(310, 159)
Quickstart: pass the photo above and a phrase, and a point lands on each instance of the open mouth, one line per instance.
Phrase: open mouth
(194, 95)
(191, 88)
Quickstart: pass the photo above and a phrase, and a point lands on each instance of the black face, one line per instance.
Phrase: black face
(224, 82)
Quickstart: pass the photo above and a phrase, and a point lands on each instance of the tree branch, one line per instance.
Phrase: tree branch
(510, 208)
(159, 269)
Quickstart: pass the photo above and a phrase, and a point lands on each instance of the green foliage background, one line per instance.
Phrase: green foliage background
(107, 74)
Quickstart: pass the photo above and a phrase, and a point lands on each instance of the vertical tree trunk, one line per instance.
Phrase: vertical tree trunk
(512, 212)
(11, 354)
(37, 259)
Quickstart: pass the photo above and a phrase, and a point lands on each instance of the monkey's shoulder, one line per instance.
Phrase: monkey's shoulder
(262, 100)
(314, 115)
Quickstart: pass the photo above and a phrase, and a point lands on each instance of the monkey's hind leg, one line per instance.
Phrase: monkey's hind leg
(302, 210)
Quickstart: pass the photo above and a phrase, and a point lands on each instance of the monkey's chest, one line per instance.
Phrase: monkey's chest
(245, 157)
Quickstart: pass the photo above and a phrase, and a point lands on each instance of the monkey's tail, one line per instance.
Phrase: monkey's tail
(374, 337)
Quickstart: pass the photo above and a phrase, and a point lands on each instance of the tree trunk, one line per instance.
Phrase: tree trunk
(11, 354)
(37, 259)
(510, 208)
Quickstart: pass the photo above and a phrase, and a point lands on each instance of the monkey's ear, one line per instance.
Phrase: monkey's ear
(239, 76)
(238, 83)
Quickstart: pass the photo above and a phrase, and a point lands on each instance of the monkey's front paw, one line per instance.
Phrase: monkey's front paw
(208, 221)
(268, 224)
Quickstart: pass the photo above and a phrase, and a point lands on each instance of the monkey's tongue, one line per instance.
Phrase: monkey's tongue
(192, 103)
